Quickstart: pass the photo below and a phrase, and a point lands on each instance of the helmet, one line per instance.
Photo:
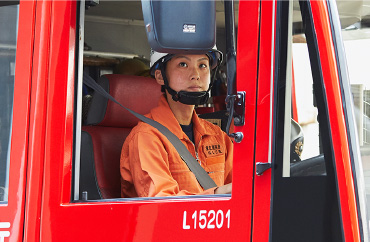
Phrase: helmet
(158, 61)
(296, 142)
(156, 58)
(214, 55)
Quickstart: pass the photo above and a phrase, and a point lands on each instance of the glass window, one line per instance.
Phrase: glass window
(305, 146)
(8, 40)
(303, 149)
(357, 47)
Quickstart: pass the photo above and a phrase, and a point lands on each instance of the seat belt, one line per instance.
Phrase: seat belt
(202, 176)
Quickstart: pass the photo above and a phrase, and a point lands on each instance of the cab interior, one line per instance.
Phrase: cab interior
(116, 54)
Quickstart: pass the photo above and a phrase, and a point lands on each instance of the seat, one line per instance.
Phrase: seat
(107, 126)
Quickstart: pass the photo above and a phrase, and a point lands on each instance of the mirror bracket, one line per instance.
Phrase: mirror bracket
(236, 108)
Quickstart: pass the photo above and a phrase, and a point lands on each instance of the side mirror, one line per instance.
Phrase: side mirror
(178, 26)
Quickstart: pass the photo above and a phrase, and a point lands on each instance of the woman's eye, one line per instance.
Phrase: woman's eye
(183, 64)
(203, 66)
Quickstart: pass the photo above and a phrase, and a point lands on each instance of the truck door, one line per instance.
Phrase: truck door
(268, 198)
(314, 195)
(64, 214)
(16, 46)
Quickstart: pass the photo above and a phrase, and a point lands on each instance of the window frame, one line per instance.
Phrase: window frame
(12, 211)
(142, 219)
(285, 188)
(76, 164)
(9, 133)
(349, 116)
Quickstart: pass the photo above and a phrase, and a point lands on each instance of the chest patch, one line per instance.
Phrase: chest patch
(213, 150)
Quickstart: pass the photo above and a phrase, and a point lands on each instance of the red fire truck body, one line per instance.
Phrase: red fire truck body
(41, 205)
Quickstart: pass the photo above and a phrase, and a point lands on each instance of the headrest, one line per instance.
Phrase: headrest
(137, 93)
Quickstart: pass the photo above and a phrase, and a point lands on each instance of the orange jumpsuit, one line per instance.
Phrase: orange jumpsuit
(151, 166)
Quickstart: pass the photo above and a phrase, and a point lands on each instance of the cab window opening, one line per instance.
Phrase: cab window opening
(305, 108)
(120, 50)
(8, 42)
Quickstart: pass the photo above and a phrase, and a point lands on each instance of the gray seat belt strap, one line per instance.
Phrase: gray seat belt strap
(202, 176)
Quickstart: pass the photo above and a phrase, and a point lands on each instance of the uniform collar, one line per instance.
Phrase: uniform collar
(163, 114)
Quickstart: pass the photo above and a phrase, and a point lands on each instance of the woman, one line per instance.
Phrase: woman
(150, 165)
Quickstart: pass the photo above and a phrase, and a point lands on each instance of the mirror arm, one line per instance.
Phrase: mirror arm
(230, 47)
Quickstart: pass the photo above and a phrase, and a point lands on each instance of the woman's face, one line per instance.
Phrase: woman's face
(188, 73)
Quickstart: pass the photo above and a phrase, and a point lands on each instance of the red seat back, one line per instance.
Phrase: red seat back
(107, 127)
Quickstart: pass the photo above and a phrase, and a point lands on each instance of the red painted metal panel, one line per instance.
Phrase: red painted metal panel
(59, 121)
(247, 74)
(122, 220)
(51, 142)
(337, 122)
(262, 185)
(13, 212)
(294, 99)
(38, 112)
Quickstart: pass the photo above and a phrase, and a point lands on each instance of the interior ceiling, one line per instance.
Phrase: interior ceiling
(132, 10)
(350, 11)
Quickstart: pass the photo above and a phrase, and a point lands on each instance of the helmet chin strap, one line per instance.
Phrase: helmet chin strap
(185, 97)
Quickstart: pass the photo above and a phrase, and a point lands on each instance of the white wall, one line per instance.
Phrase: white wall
(108, 35)
(358, 61)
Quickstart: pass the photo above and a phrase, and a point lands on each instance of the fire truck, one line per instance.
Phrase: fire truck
(283, 95)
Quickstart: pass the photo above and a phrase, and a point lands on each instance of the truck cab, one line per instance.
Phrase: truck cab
(299, 125)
